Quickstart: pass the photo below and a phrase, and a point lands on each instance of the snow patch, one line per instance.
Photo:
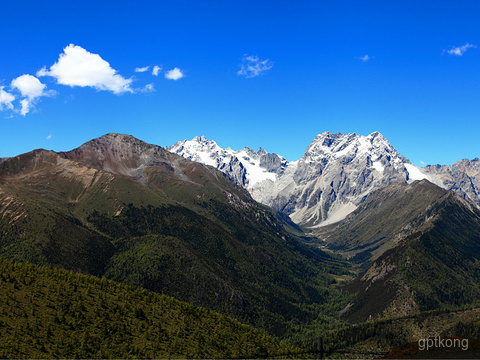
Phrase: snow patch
(337, 213)
(205, 158)
(377, 165)
(255, 173)
(414, 173)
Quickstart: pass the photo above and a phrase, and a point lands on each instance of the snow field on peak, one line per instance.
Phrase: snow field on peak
(377, 165)
(414, 173)
(208, 152)
(199, 149)
(255, 173)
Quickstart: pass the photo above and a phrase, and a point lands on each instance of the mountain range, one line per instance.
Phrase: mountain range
(412, 233)
(334, 176)
(350, 232)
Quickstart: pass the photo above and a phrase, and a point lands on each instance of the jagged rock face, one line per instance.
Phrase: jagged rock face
(336, 174)
(463, 177)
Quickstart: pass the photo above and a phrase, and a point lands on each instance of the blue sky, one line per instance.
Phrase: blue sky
(243, 73)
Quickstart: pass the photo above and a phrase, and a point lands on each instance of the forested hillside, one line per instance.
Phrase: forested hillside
(52, 313)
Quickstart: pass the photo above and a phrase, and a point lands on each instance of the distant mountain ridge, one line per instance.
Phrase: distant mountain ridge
(463, 177)
(334, 176)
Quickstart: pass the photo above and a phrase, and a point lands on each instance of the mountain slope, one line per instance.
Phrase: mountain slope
(121, 208)
(421, 246)
(388, 216)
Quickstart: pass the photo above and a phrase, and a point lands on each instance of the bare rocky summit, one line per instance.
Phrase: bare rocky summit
(119, 154)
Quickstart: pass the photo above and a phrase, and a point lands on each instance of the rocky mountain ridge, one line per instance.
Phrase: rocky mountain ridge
(462, 177)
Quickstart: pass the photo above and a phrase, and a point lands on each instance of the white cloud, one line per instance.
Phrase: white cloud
(460, 50)
(156, 70)
(49, 136)
(142, 69)
(31, 89)
(25, 106)
(147, 89)
(6, 99)
(174, 74)
(78, 67)
(252, 66)
(365, 58)
(29, 86)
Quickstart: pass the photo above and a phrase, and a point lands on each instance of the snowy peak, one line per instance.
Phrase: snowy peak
(327, 145)
(246, 167)
(337, 173)
(199, 149)
(350, 151)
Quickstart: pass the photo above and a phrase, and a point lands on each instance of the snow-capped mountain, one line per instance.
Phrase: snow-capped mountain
(246, 167)
(335, 174)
